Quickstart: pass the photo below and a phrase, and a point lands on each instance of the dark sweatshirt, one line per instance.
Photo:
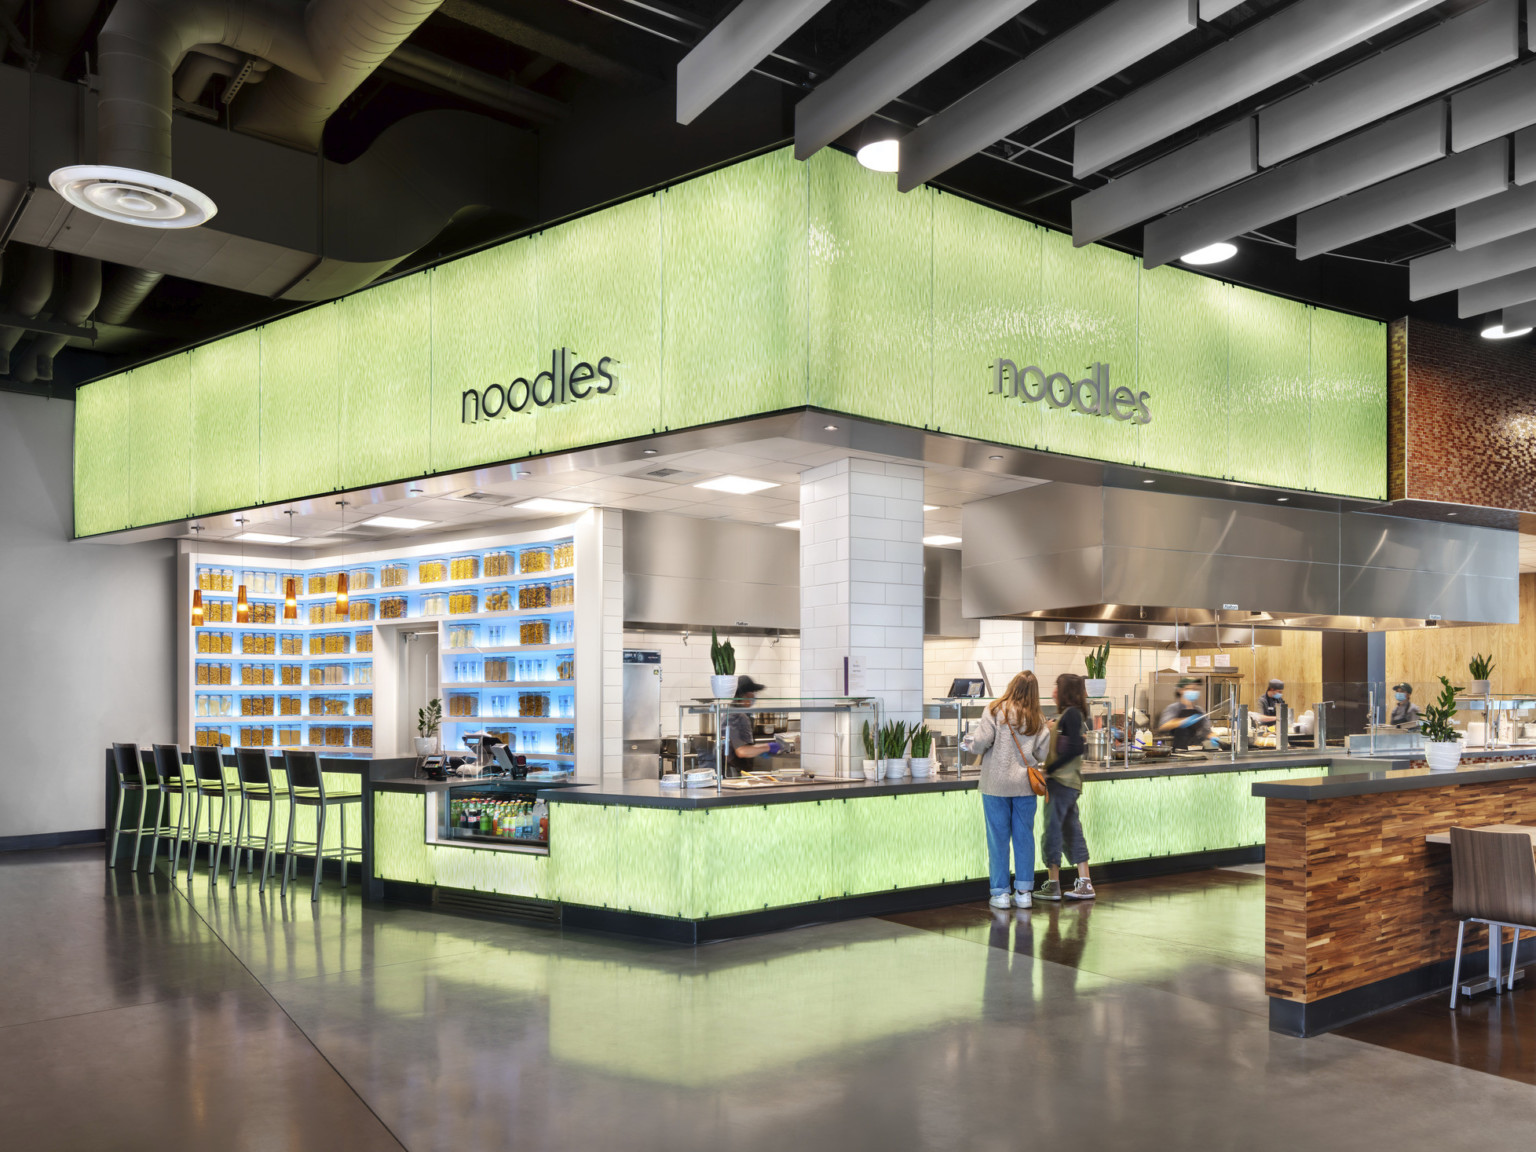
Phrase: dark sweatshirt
(1069, 739)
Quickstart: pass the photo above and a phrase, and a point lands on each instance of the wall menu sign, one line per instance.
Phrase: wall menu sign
(1091, 396)
(562, 383)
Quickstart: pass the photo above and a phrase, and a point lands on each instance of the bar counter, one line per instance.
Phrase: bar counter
(701, 864)
(1357, 903)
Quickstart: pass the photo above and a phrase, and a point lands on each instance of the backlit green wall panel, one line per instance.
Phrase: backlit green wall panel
(734, 338)
(764, 286)
(1349, 406)
(226, 420)
(401, 852)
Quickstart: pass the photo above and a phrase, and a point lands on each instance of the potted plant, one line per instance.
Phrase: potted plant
(722, 685)
(1441, 748)
(1097, 663)
(1482, 670)
(428, 720)
(871, 765)
(922, 747)
(893, 746)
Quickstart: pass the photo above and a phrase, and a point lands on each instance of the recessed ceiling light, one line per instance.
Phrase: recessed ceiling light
(736, 485)
(1499, 332)
(940, 541)
(648, 452)
(795, 524)
(1451, 513)
(1282, 499)
(930, 507)
(524, 475)
(994, 457)
(265, 538)
(881, 155)
(545, 504)
(1149, 481)
(396, 522)
(830, 428)
(1210, 254)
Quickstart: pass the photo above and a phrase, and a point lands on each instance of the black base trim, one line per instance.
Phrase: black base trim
(1315, 1017)
(52, 840)
(1168, 865)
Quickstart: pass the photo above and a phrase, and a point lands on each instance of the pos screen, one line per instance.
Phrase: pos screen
(967, 688)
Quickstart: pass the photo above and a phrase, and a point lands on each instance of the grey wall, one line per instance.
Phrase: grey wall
(87, 647)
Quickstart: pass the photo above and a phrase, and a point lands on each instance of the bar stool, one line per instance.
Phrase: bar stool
(255, 784)
(1493, 882)
(209, 783)
(167, 768)
(129, 767)
(306, 786)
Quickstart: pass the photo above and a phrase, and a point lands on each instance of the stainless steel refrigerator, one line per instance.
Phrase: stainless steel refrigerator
(642, 714)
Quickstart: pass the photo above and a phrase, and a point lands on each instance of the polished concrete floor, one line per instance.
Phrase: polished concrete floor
(135, 1015)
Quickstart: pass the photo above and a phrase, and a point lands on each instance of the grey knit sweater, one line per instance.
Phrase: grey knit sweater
(1003, 773)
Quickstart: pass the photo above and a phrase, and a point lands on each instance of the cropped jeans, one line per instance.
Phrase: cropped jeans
(1010, 818)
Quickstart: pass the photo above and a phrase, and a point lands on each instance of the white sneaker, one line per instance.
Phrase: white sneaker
(1023, 900)
(1002, 901)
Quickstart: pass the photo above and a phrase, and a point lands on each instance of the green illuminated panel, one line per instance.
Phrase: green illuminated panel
(385, 341)
(300, 404)
(160, 424)
(1182, 363)
(400, 852)
(871, 299)
(1270, 422)
(226, 422)
(1349, 405)
(735, 296)
(102, 437)
(484, 332)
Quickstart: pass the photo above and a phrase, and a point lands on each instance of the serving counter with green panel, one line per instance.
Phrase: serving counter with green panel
(638, 858)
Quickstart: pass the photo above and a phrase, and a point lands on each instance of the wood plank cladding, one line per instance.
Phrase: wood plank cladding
(1461, 417)
(1354, 895)
(1420, 656)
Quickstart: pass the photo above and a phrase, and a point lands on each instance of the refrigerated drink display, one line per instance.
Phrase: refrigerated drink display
(431, 572)
(464, 568)
(495, 815)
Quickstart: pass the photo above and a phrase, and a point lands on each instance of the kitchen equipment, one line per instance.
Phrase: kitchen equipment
(642, 694)
(1099, 745)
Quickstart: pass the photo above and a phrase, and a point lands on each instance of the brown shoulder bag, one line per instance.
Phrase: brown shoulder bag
(1036, 776)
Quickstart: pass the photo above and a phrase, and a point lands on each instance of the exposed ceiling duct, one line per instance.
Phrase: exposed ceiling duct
(124, 289)
(27, 297)
(470, 83)
(81, 298)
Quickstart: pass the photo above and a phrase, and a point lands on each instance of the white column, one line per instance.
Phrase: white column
(861, 592)
(599, 644)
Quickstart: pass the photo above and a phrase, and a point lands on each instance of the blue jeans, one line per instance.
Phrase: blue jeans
(1010, 817)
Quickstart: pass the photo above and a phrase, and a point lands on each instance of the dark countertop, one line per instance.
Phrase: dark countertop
(420, 784)
(1364, 778)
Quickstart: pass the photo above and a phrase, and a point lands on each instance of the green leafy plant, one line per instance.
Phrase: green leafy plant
(1098, 662)
(429, 718)
(922, 742)
(1435, 721)
(869, 742)
(893, 740)
(722, 656)
(1481, 667)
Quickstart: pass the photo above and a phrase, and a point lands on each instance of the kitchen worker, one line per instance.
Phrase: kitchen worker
(1183, 719)
(1405, 713)
(1266, 713)
(740, 751)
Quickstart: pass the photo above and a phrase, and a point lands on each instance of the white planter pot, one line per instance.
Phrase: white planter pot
(426, 745)
(871, 769)
(1095, 687)
(722, 687)
(1479, 687)
(921, 767)
(1443, 756)
(893, 769)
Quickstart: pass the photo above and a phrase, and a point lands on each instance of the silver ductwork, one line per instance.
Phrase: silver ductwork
(1119, 556)
(81, 298)
(124, 290)
(28, 297)
(686, 572)
(1123, 634)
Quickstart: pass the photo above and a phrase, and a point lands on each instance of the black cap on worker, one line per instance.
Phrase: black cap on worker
(1408, 688)
(746, 686)
(1277, 685)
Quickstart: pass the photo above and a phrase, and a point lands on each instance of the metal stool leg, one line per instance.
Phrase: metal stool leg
(181, 815)
(266, 857)
(234, 865)
(117, 824)
(197, 815)
(154, 837)
(1514, 954)
(218, 845)
(343, 812)
(293, 818)
(138, 835)
(319, 849)
(1461, 931)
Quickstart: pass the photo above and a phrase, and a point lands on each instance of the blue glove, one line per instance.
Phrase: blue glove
(1214, 743)
(774, 748)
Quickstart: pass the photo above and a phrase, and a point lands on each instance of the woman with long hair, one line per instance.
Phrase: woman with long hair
(1064, 785)
(1011, 735)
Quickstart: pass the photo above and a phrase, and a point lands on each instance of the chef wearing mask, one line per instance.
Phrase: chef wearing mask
(1183, 719)
(1405, 714)
(1265, 714)
(740, 750)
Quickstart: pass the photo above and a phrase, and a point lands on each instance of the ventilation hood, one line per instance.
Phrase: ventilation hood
(1125, 559)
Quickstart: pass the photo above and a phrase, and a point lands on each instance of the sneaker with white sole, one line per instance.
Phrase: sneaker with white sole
(1082, 890)
(1001, 901)
(1050, 890)
(1023, 900)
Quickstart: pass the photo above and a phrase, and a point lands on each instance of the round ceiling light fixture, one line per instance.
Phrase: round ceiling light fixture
(130, 196)
(1210, 254)
(881, 155)
(1493, 329)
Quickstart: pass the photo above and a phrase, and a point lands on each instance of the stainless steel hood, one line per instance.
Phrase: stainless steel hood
(1120, 556)
(1124, 634)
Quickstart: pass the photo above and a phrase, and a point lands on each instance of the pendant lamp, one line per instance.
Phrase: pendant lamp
(242, 609)
(342, 610)
(290, 582)
(197, 592)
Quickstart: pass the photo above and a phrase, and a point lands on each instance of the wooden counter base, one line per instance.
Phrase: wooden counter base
(1358, 906)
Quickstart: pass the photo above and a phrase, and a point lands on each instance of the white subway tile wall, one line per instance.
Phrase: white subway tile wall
(685, 667)
(861, 590)
(1129, 668)
(612, 537)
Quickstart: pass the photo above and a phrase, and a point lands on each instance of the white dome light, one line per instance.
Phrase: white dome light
(1210, 254)
(132, 197)
(1498, 332)
(881, 155)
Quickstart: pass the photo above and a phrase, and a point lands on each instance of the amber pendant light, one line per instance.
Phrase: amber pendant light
(197, 592)
(342, 609)
(242, 608)
(290, 582)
